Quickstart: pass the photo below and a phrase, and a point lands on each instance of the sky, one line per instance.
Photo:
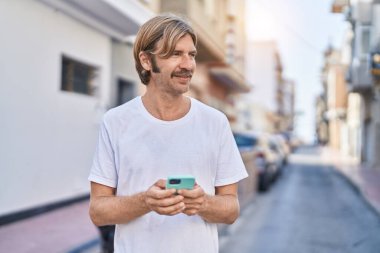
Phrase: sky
(303, 29)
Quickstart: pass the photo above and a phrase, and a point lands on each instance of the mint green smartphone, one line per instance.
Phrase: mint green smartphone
(180, 182)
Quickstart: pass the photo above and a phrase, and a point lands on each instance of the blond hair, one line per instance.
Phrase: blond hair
(168, 28)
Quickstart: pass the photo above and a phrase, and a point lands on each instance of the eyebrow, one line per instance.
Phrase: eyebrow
(190, 52)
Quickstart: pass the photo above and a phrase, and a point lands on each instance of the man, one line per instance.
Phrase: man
(160, 134)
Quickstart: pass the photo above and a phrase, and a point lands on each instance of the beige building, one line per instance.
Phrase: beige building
(335, 90)
(339, 111)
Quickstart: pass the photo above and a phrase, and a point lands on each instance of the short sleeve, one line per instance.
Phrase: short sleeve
(231, 168)
(103, 170)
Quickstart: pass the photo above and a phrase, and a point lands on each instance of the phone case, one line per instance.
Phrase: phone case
(180, 182)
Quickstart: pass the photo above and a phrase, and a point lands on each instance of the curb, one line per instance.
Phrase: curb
(357, 189)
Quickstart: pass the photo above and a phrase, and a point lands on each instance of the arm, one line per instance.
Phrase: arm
(107, 208)
(221, 208)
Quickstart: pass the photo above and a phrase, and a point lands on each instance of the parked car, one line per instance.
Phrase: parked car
(266, 161)
(279, 145)
(292, 140)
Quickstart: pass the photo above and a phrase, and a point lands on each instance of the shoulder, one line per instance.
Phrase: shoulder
(122, 110)
(208, 113)
(117, 115)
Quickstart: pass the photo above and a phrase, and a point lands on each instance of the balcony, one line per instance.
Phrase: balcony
(229, 78)
(361, 77)
(210, 41)
(362, 12)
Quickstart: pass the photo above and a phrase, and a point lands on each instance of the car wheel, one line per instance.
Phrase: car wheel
(264, 182)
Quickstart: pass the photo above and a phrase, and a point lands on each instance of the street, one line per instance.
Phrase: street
(311, 208)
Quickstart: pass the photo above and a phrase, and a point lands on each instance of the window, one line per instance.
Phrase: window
(126, 91)
(78, 77)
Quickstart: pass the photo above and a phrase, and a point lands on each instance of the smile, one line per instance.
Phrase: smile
(182, 76)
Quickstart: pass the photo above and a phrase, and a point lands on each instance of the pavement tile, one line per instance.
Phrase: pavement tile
(60, 230)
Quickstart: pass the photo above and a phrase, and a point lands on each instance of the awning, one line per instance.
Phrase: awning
(230, 78)
(115, 18)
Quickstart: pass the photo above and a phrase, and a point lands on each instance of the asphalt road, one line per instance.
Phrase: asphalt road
(310, 209)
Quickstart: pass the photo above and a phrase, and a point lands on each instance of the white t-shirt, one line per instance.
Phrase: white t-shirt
(136, 149)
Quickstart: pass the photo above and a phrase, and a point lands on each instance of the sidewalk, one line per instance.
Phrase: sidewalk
(366, 180)
(68, 229)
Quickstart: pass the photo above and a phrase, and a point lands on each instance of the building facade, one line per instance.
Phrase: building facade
(362, 73)
(272, 98)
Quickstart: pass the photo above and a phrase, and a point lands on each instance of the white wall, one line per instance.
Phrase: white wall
(376, 25)
(48, 136)
(353, 123)
(260, 70)
(374, 140)
(123, 66)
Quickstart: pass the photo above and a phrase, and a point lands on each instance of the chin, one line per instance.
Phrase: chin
(182, 88)
(186, 89)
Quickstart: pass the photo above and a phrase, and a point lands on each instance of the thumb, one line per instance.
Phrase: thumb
(161, 183)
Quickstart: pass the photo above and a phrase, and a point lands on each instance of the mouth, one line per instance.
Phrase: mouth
(182, 74)
(183, 78)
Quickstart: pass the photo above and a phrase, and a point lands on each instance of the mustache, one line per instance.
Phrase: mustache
(182, 73)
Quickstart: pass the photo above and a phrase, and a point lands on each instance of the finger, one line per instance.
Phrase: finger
(177, 211)
(159, 193)
(197, 202)
(175, 199)
(190, 211)
(154, 204)
(161, 183)
(171, 209)
(194, 193)
(193, 207)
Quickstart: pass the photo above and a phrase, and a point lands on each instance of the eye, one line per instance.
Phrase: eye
(176, 53)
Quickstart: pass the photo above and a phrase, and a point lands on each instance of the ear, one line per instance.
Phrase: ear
(145, 61)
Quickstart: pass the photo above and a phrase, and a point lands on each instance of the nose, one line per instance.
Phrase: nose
(187, 62)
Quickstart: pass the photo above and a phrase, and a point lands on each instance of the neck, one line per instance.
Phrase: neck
(166, 107)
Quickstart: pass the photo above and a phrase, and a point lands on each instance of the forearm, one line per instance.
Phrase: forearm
(107, 210)
(220, 209)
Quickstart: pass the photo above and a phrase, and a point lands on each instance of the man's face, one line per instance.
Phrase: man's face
(173, 75)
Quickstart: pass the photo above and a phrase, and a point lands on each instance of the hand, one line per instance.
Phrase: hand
(163, 201)
(194, 200)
